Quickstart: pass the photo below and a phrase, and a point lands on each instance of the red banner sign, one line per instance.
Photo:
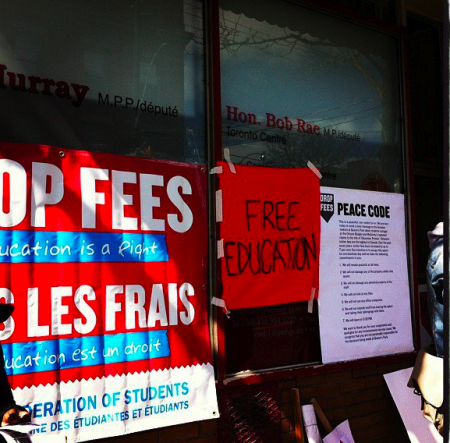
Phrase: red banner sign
(104, 258)
(271, 235)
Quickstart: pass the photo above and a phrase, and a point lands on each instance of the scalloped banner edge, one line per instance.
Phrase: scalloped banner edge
(114, 378)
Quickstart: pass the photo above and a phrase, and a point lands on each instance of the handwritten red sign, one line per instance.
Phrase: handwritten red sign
(271, 235)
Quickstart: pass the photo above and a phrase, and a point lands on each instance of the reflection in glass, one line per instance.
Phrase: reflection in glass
(271, 337)
(298, 85)
(139, 63)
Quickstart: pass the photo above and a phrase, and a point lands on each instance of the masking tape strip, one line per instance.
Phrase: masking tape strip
(314, 169)
(311, 301)
(220, 251)
(226, 156)
(220, 302)
(219, 210)
(216, 170)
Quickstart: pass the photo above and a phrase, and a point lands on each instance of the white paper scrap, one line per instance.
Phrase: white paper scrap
(310, 422)
(419, 429)
(340, 434)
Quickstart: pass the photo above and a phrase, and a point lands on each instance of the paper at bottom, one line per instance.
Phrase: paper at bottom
(340, 434)
(419, 429)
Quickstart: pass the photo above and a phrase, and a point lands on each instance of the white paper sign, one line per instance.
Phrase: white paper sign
(310, 422)
(364, 298)
(340, 434)
(419, 429)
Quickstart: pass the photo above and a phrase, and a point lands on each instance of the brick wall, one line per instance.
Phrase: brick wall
(359, 395)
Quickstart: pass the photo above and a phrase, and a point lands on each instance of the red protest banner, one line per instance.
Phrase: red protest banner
(271, 235)
(104, 258)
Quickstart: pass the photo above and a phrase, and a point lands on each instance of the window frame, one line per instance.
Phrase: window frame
(214, 112)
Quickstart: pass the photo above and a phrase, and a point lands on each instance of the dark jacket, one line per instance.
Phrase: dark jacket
(435, 282)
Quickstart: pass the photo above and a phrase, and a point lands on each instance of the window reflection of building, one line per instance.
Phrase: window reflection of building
(132, 59)
(375, 182)
(319, 70)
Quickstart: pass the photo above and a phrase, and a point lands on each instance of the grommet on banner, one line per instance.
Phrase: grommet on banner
(220, 251)
(219, 211)
(220, 302)
(226, 156)
(314, 169)
(216, 170)
(311, 301)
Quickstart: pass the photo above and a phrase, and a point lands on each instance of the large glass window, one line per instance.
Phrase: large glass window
(300, 85)
(113, 76)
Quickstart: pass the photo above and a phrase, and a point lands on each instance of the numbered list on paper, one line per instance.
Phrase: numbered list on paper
(364, 298)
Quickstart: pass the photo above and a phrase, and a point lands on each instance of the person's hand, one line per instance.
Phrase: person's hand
(15, 416)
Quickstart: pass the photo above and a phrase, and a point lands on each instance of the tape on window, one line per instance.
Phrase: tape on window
(311, 301)
(314, 169)
(220, 252)
(226, 156)
(216, 170)
(221, 304)
(219, 210)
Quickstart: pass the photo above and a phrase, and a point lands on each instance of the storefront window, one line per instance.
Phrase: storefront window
(299, 86)
(272, 337)
(122, 77)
